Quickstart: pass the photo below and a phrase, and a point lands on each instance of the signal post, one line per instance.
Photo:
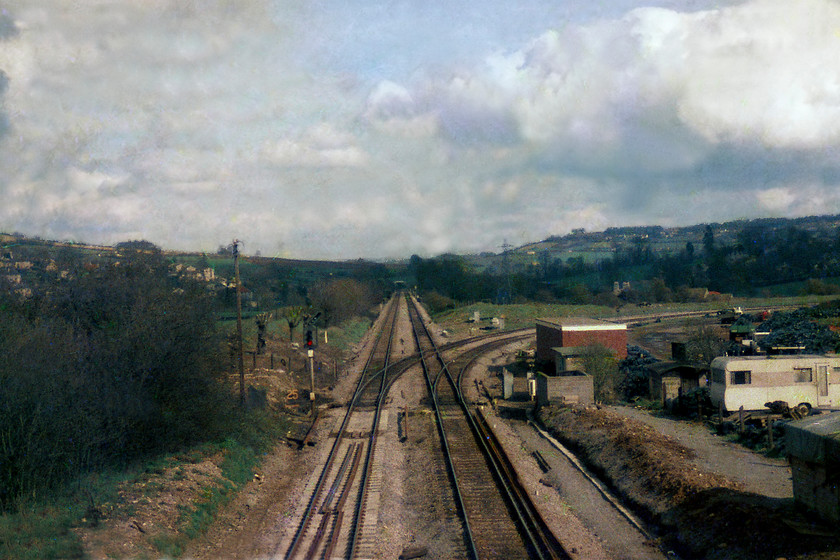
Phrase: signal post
(310, 353)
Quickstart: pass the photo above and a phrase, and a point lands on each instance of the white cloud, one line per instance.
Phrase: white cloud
(323, 145)
(187, 122)
(777, 199)
(797, 200)
(290, 153)
(389, 100)
(763, 72)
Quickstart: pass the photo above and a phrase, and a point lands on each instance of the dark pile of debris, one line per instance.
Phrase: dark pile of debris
(634, 373)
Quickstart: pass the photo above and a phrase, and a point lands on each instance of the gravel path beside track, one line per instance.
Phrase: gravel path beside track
(582, 518)
(758, 474)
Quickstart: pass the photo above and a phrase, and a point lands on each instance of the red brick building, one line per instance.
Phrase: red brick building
(579, 332)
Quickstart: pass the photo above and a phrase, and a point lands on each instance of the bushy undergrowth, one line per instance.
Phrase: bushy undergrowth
(43, 529)
(348, 333)
(108, 367)
(40, 534)
(253, 434)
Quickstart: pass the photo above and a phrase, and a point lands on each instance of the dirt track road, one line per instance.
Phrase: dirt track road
(760, 475)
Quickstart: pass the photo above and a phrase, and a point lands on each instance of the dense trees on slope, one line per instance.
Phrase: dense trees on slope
(109, 365)
(760, 256)
(112, 356)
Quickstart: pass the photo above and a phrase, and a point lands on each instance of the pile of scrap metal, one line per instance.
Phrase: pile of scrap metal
(782, 407)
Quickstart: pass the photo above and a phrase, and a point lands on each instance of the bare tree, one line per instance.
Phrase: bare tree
(600, 363)
(705, 344)
(340, 299)
(262, 320)
(293, 315)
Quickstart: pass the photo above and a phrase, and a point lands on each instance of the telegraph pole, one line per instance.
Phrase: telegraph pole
(505, 295)
(311, 355)
(239, 344)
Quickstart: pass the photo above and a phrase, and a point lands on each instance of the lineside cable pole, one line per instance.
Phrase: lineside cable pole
(240, 347)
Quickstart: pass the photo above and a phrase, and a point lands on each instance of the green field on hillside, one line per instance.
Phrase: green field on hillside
(458, 321)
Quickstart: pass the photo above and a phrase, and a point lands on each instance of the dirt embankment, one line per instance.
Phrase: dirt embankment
(701, 514)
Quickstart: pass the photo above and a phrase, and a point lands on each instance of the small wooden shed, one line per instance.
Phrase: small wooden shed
(813, 448)
(669, 380)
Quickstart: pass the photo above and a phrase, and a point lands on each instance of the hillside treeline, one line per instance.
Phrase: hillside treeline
(277, 283)
(760, 257)
(106, 366)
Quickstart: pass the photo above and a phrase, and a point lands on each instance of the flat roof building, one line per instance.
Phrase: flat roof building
(579, 332)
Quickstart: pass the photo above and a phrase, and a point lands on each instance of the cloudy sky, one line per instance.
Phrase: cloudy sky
(358, 128)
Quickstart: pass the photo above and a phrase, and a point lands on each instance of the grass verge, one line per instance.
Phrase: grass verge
(45, 527)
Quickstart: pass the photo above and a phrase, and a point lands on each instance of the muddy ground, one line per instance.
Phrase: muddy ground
(702, 513)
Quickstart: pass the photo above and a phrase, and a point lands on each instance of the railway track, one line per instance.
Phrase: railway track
(642, 319)
(475, 486)
(498, 518)
(337, 519)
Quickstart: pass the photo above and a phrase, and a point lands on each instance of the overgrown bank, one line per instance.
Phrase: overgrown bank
(118, 414)
(108, 367)
(104, 371)
(701, 515)
(146, 510)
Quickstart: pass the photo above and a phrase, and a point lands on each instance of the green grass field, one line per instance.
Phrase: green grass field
(524, 315)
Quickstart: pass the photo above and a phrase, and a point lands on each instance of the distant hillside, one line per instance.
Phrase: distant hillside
(665, 240)
(590, 246)
(30, 265)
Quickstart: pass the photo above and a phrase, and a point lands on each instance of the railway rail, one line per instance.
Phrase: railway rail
(641, 319)
(340, 519)
(498, 517)
(323, 528)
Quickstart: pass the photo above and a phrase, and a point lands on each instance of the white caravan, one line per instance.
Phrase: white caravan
(803, 381)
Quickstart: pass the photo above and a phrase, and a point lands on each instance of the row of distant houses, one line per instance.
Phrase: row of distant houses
(14, 272)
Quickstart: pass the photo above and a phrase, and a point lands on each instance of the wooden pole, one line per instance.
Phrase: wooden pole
(741, 420)
(770, 432)
(241, 357)
(312, 380)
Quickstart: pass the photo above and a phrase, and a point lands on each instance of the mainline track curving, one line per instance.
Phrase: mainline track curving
(339, 520)
(498, 517)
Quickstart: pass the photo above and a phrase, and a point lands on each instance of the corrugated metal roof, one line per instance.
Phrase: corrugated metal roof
(815, 438)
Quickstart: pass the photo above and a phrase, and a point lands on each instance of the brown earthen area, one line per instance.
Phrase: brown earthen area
(701, 514)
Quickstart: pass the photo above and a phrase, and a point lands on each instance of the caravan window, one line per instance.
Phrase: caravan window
(718, 376)
(803, 375)
(741, 377)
